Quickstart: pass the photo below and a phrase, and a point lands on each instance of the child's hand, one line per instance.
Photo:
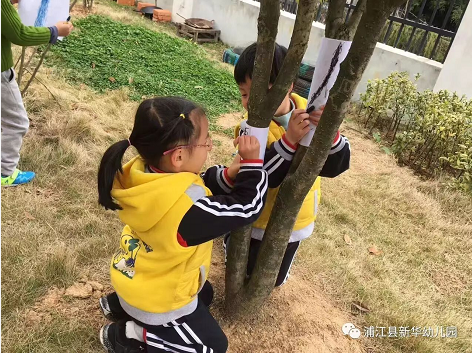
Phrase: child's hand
(64, 28)
(248, 147)
(315, 116)
(233, 169)
(298, 126)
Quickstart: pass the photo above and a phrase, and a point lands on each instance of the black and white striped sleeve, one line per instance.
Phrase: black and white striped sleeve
(277, 161)
(214, 216)
(217, 180)
(338, 159)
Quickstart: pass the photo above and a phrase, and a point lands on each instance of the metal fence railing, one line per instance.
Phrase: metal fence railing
(423, 27)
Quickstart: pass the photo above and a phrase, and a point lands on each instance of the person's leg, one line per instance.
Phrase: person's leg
(111, 308)
(198, 332)
(15, 123)
(287, 262)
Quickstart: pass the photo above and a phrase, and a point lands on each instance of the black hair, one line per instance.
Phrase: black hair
(158, 127)
(245, 65)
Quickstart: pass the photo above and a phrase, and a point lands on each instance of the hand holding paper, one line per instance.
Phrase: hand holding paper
(248, 147)
(298, 126)
(64, 28)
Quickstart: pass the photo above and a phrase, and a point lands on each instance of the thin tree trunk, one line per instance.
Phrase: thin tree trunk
(238, 247)
(335, 29)
(294, 188)
(263, 102)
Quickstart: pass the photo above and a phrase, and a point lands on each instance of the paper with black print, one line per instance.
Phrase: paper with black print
(332, 54)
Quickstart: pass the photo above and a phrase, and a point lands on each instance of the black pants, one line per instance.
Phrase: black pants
(197, 332)
(287, 261)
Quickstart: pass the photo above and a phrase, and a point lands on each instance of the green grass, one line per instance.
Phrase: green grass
(107, 55)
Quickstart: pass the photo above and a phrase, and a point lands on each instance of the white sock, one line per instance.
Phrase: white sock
(134, 331)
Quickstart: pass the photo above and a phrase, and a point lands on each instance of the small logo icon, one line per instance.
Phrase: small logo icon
(351, 330)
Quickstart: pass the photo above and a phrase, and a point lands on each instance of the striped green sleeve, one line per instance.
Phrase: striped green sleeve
(19, 34)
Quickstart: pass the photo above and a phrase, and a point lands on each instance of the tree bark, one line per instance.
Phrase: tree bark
(335, 29)
(238, 247)
(295, 186)
(263, 102)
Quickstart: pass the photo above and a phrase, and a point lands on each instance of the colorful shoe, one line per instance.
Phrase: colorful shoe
(17, 178)
(113, 339)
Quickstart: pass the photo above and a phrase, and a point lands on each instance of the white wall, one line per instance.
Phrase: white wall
(456, 74)
(164, 4)
(183, 8)
(237, 20)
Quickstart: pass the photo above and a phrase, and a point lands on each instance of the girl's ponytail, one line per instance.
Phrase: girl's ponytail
(109, 166)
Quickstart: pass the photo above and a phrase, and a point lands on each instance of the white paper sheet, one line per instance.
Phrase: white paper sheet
(43, 13)
(332, 54)
(260, 133)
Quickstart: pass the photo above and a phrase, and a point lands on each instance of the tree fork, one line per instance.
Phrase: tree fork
(293, 190)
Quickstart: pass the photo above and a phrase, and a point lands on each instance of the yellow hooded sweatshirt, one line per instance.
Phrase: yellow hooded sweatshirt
(156, 278)
(304, 224)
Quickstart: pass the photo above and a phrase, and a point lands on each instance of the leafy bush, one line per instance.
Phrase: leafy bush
(430, 132)
(106, 54)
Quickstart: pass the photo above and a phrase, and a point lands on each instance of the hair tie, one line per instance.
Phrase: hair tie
(129, 143)
(182, 116)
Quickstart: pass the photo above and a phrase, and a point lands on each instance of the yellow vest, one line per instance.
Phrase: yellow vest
(309, 209)
(151, 271)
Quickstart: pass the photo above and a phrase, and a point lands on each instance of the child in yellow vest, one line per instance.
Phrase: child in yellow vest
(289, 125)
(172, 214)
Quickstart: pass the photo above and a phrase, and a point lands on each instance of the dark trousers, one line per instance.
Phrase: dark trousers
(197, 332)
(287, 261)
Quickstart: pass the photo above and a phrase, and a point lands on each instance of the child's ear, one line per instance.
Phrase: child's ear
(291, 89)
(177, 158)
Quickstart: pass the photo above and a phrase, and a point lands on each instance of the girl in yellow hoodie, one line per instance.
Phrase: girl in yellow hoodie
(171, 215)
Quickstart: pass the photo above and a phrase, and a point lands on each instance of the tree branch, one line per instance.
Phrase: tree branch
(335, 17)
(267, 32)
(347, 30)
(296, 51)
(258, 116)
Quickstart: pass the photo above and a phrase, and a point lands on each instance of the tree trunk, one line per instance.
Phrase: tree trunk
(295, 186)
(335, 29)
(263, 102)
(238, 247)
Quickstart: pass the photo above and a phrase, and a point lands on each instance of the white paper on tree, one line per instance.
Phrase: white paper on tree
(43, 13)
(260, 133)
(332, 54)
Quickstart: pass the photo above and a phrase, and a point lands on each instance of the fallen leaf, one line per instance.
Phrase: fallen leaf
(374, 251)
(131, 80)
(199, 87)
(347, 239)
(93, 65)
(359, 308)
(112, 79)
(29, 216)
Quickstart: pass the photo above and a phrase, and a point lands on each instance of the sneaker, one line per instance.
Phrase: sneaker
(111, 308)
(113, 339)
(17, 178)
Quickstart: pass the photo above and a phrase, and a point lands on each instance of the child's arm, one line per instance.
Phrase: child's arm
(338, 158)
(219, 179)
(19, 34)
(214, 216)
